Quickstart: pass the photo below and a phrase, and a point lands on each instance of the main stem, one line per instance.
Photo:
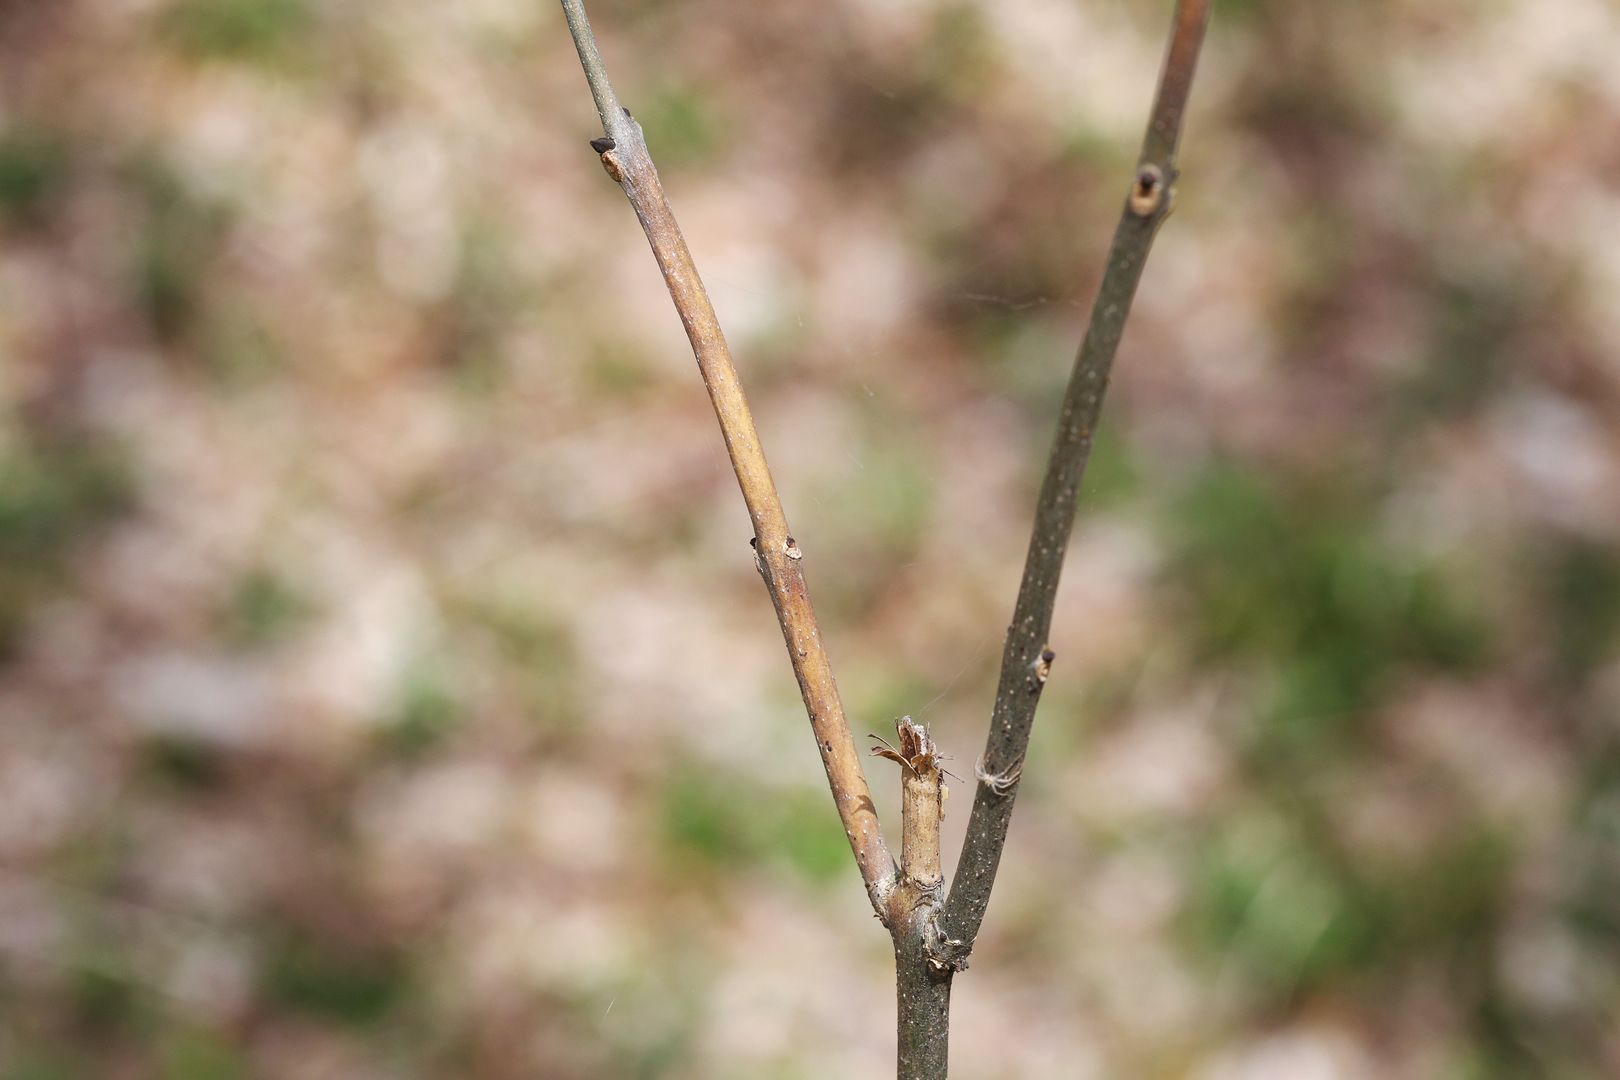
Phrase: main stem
(777, 555)
(923, 1013)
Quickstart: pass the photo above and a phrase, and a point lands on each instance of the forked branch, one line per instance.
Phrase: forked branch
(1027, 659)
(932, 936)
(778, 556)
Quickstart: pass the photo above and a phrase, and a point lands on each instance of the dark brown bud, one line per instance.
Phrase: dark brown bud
(1148, 191)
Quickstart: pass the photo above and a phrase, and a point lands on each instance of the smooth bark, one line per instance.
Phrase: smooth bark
(777, 554)
(1027, 658)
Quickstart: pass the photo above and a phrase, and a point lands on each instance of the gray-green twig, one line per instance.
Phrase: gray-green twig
(1027, 658)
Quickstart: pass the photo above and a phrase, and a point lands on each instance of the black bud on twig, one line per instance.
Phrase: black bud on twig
(1148, 191)
(603, 145)
(1041, 668)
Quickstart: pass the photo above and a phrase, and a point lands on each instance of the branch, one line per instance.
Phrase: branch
(624, 155)
(921, 808)
(922, 984)
(1027, 660)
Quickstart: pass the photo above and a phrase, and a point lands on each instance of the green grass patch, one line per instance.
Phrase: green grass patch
(259, 31)
(182, 763)
(53, 496)
(1273, 893)
(199, 1054)
(1579, 580)
(264, 610)
(682, 127)
(174, 251)
(334, 980)
(536, 646)
(426, 713)
(33, 164)
(36, 1061)
(732, 824)
(1297, 581)
(1470, 349)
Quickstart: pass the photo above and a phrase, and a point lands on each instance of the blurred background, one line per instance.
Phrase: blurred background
(386, 690)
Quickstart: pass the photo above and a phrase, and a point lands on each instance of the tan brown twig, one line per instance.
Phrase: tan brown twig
(922, 987)
(624, 156)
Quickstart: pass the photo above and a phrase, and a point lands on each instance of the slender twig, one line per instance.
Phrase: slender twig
(1027, 659)
(778, 556)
